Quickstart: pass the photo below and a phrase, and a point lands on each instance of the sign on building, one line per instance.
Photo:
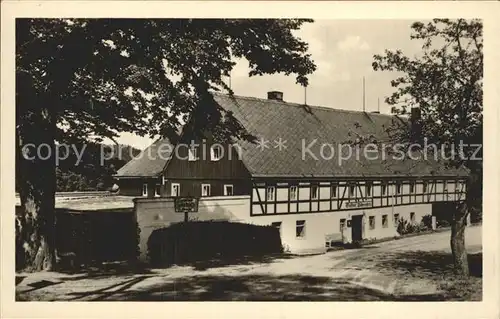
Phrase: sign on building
(358, 204)
(186, 205)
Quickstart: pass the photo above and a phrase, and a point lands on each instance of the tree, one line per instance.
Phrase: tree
(445, 82)
(86, 79)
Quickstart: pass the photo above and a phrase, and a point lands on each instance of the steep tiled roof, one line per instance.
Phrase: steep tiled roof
(299, 125)
(149, 162)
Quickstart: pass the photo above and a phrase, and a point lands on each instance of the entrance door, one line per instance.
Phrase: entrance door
(356, 227)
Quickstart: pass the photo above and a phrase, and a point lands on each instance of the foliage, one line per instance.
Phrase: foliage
(90, 173)
(204, 240)
(445, 82)
(105, 76)
(405, 227)
(80, 80)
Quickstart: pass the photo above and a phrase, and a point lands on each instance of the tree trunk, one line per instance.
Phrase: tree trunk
(36, 183)
(458, 250)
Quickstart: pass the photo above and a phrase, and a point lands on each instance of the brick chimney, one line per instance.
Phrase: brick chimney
(275, 95)
(415, 124)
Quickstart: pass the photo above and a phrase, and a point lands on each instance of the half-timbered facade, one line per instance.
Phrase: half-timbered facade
(308, 174)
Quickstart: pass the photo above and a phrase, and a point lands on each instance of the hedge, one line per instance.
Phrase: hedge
(204, 240)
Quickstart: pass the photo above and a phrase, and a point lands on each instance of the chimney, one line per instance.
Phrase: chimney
(275, 95)
(375, 112)
(415, 124)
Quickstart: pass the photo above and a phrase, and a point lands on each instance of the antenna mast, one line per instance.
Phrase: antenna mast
(363, 94)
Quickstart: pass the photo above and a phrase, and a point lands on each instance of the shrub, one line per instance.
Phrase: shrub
(204, 240)
(404, 227)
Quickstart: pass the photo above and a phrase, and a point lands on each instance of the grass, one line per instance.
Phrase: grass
(461, 289)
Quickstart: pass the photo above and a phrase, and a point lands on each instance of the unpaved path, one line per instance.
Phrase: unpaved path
(405, 268)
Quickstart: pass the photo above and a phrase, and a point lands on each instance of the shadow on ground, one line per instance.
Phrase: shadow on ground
(242, 288)
(429, 265)
(426, 264)
(245, 260)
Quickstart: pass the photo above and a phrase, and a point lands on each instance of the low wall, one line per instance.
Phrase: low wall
(155, 213)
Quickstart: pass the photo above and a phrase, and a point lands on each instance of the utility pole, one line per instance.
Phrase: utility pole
(364, 94)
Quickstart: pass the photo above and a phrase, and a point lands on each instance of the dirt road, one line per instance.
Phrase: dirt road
(404, 269)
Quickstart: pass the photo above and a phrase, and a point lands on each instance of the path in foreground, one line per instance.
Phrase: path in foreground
(406, 269)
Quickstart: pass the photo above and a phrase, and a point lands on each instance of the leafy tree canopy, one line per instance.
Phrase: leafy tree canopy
(99, 77)
(444, 81)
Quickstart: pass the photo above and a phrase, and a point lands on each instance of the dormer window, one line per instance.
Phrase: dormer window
(216, 152)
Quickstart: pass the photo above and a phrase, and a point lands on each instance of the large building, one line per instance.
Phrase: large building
(309, 171)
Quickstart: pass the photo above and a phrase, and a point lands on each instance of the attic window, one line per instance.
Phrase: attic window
(216, 152)
(192, 154)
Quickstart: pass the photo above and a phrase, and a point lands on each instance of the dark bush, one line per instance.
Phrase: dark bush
(204, 240)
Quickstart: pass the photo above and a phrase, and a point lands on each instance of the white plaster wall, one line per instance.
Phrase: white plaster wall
(159, 213)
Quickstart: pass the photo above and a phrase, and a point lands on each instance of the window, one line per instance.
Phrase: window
(412, 187)
(398, 188)
(216, 152)
(396, 219)
(192, 154)
(205, 190)
(352, 190)
(314, 191)
(270, 193)
(293, 192)
(175, 189)
(368, 188)
(342, 224)
(372, 222)
(157, 190)
(445, 187)
(163, 180)
(385, 222)
(228, 190)
(457, 186)
(424, 187)
(384, 188)
(144, 189)
(300, 228)
(333, 191)
(277, 225)
(412, 217)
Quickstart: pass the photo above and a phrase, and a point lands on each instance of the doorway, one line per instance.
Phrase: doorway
(357, 228)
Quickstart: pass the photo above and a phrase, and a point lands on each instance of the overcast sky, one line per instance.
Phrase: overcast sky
(343, 52)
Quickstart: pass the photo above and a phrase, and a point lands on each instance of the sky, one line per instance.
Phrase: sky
(343, 53)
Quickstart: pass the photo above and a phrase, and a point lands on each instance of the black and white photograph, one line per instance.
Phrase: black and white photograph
(247, 158)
